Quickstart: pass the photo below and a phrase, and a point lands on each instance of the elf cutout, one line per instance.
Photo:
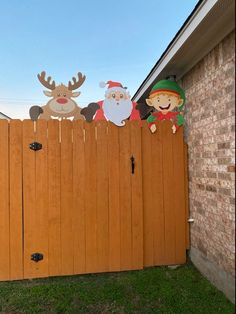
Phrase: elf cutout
(168, 99)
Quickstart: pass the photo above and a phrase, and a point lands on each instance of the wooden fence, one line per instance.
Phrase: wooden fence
(83, 204)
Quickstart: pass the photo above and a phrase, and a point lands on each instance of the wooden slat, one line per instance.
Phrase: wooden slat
(187, 241)
(4, 202)
(157, 192)
(137, 200)
(67, 248)
(147, 172)
(179, 197)
(41, 197)
(54, 201)
(78, 197)
(16, 223)
(102, 198)
(168, 187)
(90, 198)
(114, 207)
(29, 189)
(125, 198)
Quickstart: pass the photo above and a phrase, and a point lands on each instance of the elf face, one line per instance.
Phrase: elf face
(165, 102)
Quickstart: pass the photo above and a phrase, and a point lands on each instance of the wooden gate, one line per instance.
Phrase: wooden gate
(81, 202)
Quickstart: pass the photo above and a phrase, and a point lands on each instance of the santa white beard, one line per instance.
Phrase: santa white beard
(117, 111)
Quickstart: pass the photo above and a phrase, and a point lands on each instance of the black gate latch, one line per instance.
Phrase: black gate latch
(132, 164)
(36, 257)
(35, 146)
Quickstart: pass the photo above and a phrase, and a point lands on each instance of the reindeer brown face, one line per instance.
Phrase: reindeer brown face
(62, 102)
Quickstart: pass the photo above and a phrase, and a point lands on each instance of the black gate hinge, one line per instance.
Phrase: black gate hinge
(35, 146)
(36, 257)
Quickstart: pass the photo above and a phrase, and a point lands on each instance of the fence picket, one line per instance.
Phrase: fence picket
(67, 258)
(29, 198)
(102, 197)
(54, 199)
(168, 191)
(148, 182)
(90, 198)
(158, 197)
(125, 198)
(4, 203)
(137, 199)
(179, 198)
(114, 204)
(41, 199)
(79, 198)
(15, 190)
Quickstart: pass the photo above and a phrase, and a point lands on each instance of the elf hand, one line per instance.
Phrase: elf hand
(153, 128)
(174, 129)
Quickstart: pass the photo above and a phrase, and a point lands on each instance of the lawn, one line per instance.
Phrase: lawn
(153, 290)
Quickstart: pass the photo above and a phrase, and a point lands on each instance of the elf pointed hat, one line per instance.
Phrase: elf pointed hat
(167, 86)
(112, 86)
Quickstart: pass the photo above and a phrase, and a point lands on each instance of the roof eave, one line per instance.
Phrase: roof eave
(203, 14)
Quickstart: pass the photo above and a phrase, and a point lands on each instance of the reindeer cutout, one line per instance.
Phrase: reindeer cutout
(61, 105)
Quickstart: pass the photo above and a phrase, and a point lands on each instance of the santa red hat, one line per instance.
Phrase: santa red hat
(113, 86)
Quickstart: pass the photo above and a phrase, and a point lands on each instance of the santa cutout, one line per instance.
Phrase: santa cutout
(116, 107)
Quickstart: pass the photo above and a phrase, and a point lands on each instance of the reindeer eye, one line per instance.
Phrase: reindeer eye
(58, 95)
(64, 95)
(121, 95)
(113, 96)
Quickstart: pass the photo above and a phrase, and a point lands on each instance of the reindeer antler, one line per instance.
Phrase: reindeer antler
(47, 83)
(78, 83)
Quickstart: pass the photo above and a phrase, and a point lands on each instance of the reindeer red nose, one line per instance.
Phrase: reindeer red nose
(62, 100)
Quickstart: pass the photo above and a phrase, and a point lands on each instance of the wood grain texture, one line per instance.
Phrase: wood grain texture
(91, 198)
(102, 198)
(54, 199)
(16, 204)
(29, 199)
(40, 226)
(168, 188)
(78, 203)
(125, 199)
(137, 199)
(4, 203)
(148, 182)
(179, 197)
(186, 182)
(79, 198)
(114, 201)
(67, 247)
(159, 245)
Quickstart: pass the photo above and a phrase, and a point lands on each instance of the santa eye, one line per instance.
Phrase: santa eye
(113, 96)
(64, 95)
(121, 96)
(58, 95)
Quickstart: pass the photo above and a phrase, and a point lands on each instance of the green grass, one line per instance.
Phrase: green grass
(154, 290)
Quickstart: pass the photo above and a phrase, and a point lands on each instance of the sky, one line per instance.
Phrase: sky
(105, 40)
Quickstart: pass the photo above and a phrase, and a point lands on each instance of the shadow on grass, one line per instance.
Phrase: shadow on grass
(153, 290)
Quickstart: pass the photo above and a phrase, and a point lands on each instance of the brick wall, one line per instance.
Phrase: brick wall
(210, 134)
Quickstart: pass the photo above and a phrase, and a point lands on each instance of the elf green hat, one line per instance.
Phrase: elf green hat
(167, 86)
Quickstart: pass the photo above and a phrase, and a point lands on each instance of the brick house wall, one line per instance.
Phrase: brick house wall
(210, 135)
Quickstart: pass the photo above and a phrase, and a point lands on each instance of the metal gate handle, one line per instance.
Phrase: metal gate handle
(132, 164)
